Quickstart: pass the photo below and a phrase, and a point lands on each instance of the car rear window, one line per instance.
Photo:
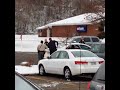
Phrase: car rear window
(83, 54)
(100, 74)
(76, 40)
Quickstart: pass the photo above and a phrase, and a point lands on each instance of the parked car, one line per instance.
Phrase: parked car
(61, 44)
(70, 62)
(21, 83)
(98, 49)
(88, 39)
(77, 46)
(98, 81)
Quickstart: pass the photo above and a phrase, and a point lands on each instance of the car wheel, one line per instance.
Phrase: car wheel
(41, 70)
(67, 73)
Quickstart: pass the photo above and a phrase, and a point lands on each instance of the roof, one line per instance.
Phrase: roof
(83, 19)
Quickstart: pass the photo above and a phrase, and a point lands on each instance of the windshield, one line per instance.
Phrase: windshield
(83, 54)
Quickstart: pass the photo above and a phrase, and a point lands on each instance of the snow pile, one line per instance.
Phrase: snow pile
(27, 70)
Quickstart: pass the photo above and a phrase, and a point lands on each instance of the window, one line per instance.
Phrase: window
(76, 40)
(87, 39)
(95, 48)
(55, 55)
(85, 47)
(102, 49)
(98, 48)
(76, 46)
(68, 47)
(63, 55)
(83, 54)
(95, 39)
(73, 47)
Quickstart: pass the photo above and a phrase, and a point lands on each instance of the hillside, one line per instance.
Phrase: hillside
(30, 14)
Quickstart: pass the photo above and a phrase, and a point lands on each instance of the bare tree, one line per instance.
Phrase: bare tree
(34, 13)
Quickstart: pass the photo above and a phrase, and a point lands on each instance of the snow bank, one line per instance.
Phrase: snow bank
(27, 70)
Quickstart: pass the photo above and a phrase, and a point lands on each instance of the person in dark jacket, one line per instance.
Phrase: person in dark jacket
(52, 45)
(82, 40)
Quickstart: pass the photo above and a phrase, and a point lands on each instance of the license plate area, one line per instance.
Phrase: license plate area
(93, 63)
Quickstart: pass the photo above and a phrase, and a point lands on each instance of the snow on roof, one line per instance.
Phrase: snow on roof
(83, 19)
(42, 27)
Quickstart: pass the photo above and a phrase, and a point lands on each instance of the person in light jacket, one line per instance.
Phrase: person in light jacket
(41, 50)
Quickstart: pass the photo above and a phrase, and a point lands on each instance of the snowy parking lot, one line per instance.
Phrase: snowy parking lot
(26, 49)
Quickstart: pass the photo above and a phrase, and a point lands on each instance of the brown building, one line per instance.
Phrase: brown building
(69, 27)
(68, 31)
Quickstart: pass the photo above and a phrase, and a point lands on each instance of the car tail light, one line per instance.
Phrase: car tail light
(101, 62)
(88, 86)
(81, 62)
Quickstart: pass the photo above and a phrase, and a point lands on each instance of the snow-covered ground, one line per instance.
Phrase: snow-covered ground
(29, 43)
(26, 70)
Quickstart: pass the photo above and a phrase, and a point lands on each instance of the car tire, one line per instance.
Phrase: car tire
(67, 73)
(41, 70)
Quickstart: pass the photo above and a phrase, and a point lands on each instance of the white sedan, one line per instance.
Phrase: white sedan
(70, 62)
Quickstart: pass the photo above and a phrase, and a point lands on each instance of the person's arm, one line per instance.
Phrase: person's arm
(38, 48)
(46, 46)
(57, 43)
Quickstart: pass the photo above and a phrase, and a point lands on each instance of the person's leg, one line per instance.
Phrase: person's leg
(50, 52)
(42, 55)
(39, 56)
